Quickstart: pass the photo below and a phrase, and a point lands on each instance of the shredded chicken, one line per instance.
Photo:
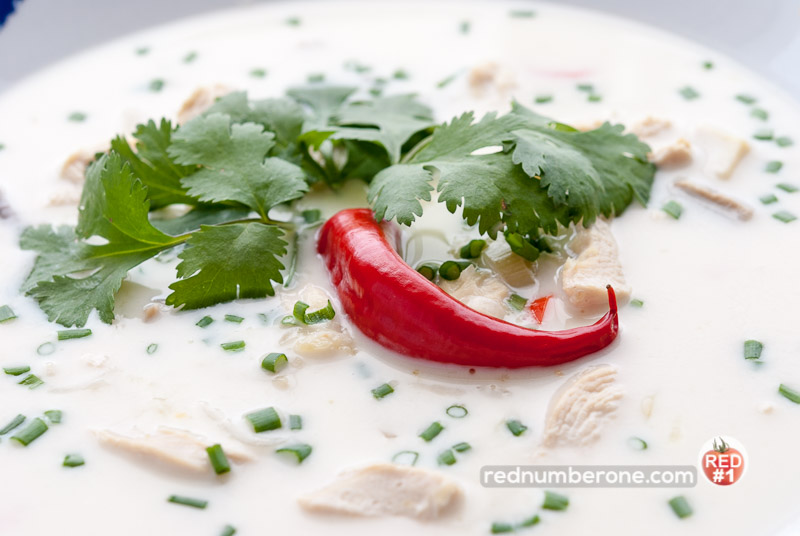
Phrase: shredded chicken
(650, 126)
(200, 101)
(326, 339)
(386, 489)
(490, 75)
(723, 151)
(742, 211)
(479, 290)
(674, 155)
(512, 268)
(74, 168)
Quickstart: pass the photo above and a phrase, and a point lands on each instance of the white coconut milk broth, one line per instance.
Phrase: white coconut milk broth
(708, 283)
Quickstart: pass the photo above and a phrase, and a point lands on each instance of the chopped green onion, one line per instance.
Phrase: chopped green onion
(588, 88)
(53, 415)
(376, 91)
(446, 81)
(16, 371)
(502, 528)
(688, 93)
(525, 248)
(522, 14)
(637, 443)
(219, 462)
(32, 381)
(258, 73)
(457, 412)
(784, 141)
(673, 208)
(316, 78)
(156, 85)
(27, 435)
(295, 422)
(752, 349)
(784, 216)
(680, 506)
(294, 21)
(188, 501)
(46, 348)
(462, 447)
(768, 199)
(531, 521)
(228, 530)
(432, 431)
(77, 117)
(428, 270)
(204, 322)
(73, 460)
(473, 249)
(400, 74)
(233, 318)
(517, 302)
(16, 421)
(786, 391)
(747, 99)
(765, 134)
(465, 27)
(233, 346)
(142, 51)
(311, 215)
(67, 334)
(190, 57)
(636, 302)
(264, 420)
(594, 98)
(708, 65)
(786, 187)
(289, 320)
(274, 362)
(6, 314)
(516, 427)
(774, 166)
(382, 391)
(446, 457)
(314, 317)
(151, 348)
(451, 270)
(301, 451)
(555, 501)
(759, 113)
(406, 457)
(543, 99)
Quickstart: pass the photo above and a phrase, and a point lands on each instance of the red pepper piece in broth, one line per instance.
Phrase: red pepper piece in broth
(538, 307)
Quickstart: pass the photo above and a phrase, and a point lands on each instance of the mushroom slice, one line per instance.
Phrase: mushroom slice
(742, 211)
(385, 489)
(724, 152)
(580, 407)
(479, 290)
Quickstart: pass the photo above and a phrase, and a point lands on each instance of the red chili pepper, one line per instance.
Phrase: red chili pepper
(538, 308)
(396, 306)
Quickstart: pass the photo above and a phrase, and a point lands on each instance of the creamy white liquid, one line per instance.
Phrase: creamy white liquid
(708, 282)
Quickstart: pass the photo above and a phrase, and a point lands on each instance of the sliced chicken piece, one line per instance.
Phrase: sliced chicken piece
(323, 342)
(490, 75)
(584, 277)
(65, 197)
(386, 489)
(581, 406)
(724, 152)
(512, 268)
(650, 126)
(179, 448)
(479, 290)
(200, 101)
(742, 211)
(74, 167)
(674, 155)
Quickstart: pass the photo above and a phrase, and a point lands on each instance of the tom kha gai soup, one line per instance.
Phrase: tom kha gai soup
(348, 269)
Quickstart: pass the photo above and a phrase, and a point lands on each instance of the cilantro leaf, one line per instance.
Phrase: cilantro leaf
(201, 215)
(228, 262)
(235, 167)
(395, 192)
(152, 164)
(322, 102)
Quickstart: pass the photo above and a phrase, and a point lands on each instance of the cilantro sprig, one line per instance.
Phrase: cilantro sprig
(242, 158)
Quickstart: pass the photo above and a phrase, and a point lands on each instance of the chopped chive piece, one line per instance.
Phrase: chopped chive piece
(428, 270)
(516, 427)
(462, 447)
(400, 74)
(219, 462)
(190, 57)
(786, 187)
(67, 334)
(16, 371)
(673, 208)
(473, 249)
(588, 88)
(759, 113)
(32, 381)
(233, 346)
(522, 14)
(406, 457)
(543, 99)
(752, 349)
(784, 141)
(637, 443)
(142, 51)
(774, 166)
(289, 320)
(188, 501)
(531, 521)
(768, 199)
(784, 216)
(53, 415)
(555, 501)
(46, 348)
(708, 65)
(151, 348)
(228, 530)
(747, 99)
(274, 362)
(6, 314)
(688, 93)
(502, 528)
(594, 98)
(233, 318)
(204, 322)
(295, 422)
(156, 85)
(16, 421)
(446, 457)
(314, 317)
(465, 27)
(301, 451)
(258, 73)
(765, 134)
(315, 78)
(451, 270)
(311, 215)
(432, 431)
(680, 506)
(376, 91)
(28, 435)
(457, 412)
(73, 460)
(789, 393)
(636, 302)
(264, 420)
(517, 302)
(294, 21)
(77, 117)
(446, 81)
(382, 391)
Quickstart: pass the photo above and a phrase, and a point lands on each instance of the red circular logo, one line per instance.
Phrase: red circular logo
(722, 460)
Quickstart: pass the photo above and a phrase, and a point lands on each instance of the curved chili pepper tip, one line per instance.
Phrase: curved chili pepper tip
(398, 307)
